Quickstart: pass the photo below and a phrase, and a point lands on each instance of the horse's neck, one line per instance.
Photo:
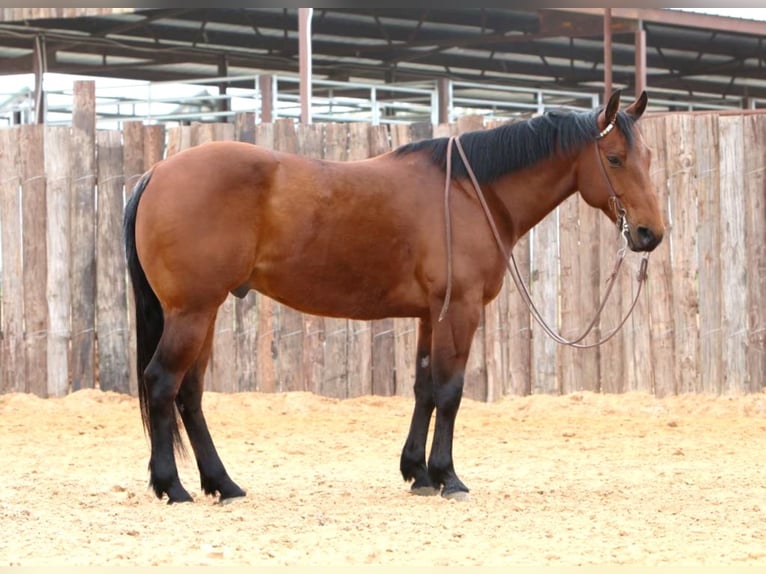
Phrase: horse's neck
(528, 195)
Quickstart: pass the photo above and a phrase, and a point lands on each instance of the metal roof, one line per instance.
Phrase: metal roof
(702, 59)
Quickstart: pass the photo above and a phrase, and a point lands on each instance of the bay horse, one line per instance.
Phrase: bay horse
(362, 240)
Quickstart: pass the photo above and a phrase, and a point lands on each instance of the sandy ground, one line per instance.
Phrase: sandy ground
(581, 479)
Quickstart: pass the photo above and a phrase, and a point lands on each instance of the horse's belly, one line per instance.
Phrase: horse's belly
(338, 292)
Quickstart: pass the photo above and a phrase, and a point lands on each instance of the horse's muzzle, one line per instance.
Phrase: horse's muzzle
(643, 239)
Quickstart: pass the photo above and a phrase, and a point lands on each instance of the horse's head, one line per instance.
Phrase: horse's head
(613, 174)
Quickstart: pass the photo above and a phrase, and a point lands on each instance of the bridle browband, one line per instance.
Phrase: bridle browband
(510, 260)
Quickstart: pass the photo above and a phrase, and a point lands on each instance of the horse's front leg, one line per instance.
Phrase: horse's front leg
(413, 460)
(451, 344)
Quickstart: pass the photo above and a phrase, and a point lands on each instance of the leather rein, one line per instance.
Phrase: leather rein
(513, 268)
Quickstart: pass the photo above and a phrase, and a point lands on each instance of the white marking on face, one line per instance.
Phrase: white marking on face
(424, 362)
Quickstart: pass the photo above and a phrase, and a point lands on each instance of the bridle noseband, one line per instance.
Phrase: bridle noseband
(510, 260)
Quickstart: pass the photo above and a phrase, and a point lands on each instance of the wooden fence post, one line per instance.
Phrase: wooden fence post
(224, 347)
(111, 287)
(475, 386)
(359, 362)
(682, 187)
(709, 261)
(659, 288)
(83, 236)
(545, 291)
(310, 141)
(755, 233)
(383, 368)
(246, 309)
(58, 140)
(335, 381)
(732, 222)
(12, 356)
(34, 222)
(290, 334)
(132, 169)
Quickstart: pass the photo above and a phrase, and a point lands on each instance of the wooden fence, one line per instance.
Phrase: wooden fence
(699, 327)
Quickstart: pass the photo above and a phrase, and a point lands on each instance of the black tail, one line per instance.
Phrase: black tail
(149, 317)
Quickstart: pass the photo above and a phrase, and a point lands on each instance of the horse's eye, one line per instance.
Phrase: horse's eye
(614, 160)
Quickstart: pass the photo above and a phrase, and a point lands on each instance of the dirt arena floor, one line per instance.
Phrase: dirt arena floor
(581, 479)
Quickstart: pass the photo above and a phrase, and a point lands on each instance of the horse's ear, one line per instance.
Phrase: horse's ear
(636, 109)
(610, 113)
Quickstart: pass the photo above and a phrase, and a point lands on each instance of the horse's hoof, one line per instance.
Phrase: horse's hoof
(177, 500)
(459, 495)
(230, 499)
(424, 490)
(177, 493)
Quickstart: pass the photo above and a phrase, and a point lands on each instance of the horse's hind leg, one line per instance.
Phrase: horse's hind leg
(213, 476)
(182, 339)
(413, 459)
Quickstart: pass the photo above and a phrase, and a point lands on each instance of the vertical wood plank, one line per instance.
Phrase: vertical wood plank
(545, 291)
(494, 338)
(335, 380)
(244, 127)
(611, 353)
(580, 290)
(223, 360)
(659, 288)
(154, 144)
(574, 312)
(709, 255)
(246, 309)
(12, 372)
(34, 218)
(383, 366)
(111, 288)
(405, 343)
(267, 308)
(755, 236)
(359, 362)
(683, 187)
(290, 344)
(589, 289)
(174, 140)
(83, 238)
(310, 142)
(476, 367)
(404, 328)
(733, 236)
(57, 169)
(520, 326)
(570, 320)
(132, 169)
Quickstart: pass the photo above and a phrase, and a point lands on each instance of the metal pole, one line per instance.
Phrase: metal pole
(40, 66)
(304, 61)
(607, 54)
(640, 58)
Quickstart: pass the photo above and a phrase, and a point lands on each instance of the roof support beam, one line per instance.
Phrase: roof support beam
(40, 66)
(304, 62)
(607, 54)
(640, 59)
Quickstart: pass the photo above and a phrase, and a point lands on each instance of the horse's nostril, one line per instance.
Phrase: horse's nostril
(646, 237)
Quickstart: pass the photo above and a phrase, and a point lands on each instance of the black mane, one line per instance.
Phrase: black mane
(493, 153)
